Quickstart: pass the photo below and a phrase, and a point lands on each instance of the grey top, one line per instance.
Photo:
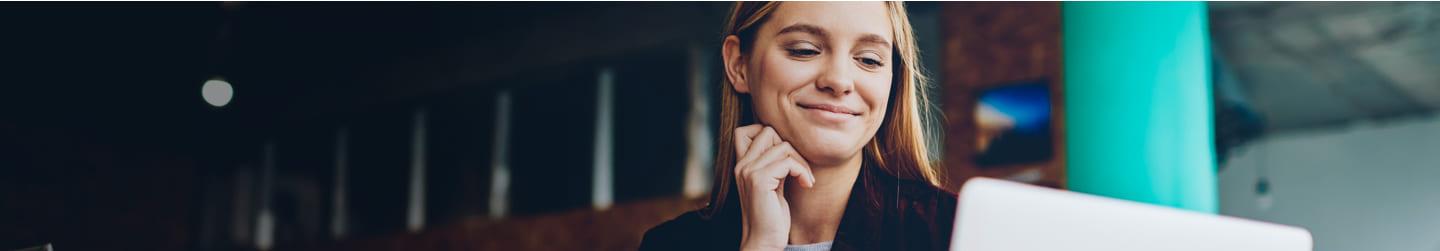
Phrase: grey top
(822, 246)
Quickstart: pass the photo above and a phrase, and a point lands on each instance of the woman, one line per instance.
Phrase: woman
(831, 154)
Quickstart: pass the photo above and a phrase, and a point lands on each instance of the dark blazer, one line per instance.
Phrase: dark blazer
(884, 213)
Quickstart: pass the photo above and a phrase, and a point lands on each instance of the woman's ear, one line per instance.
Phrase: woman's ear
(734, 64)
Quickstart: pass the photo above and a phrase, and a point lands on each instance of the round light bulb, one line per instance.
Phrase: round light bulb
(217, 92)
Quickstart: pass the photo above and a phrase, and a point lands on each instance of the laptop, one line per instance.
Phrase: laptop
(998, 215)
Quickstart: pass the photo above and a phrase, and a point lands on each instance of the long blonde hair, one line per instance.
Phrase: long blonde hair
(899, 148)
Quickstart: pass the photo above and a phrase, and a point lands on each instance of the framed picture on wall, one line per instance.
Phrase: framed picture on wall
(1013, 124)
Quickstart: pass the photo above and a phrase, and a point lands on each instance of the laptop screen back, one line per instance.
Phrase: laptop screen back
(996, 215)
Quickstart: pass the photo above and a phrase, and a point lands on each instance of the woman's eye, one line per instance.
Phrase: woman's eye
(870, 62)
(803, 52)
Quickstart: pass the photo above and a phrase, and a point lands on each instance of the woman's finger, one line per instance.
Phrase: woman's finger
(800, 170)
(762, 142)
(783, 161)
(743, 136)
(789, 167)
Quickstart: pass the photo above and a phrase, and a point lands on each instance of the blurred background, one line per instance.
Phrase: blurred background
(577, 126)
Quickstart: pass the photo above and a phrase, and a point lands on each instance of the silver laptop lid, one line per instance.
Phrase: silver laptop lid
(998, 215)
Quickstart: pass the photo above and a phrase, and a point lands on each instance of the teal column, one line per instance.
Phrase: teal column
(1137, 102)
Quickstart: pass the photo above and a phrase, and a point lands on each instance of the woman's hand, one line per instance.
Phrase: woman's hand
(763, 162)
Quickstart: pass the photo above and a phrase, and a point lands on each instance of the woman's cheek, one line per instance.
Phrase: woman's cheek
(877, 96)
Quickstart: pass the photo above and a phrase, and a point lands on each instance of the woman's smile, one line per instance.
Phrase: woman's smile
(830, 113)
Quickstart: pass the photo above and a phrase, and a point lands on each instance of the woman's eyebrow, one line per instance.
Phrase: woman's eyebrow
(875, 39)
(804, 28)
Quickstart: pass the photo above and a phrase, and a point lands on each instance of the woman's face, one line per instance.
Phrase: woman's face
(820, 74)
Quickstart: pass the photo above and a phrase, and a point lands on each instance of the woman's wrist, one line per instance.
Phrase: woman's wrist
(752, 241)
(757, 245)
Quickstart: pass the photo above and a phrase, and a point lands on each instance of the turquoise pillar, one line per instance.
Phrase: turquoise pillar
(1137, 102)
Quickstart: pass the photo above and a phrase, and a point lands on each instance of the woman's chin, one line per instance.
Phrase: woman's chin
(829, 153)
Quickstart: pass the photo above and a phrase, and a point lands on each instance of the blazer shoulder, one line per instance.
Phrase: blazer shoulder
(929, 213)
(922, 192)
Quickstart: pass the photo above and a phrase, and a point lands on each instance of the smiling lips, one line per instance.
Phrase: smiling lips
(832, 108)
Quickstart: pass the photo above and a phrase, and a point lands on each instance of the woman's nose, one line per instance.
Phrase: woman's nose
(836, 77)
